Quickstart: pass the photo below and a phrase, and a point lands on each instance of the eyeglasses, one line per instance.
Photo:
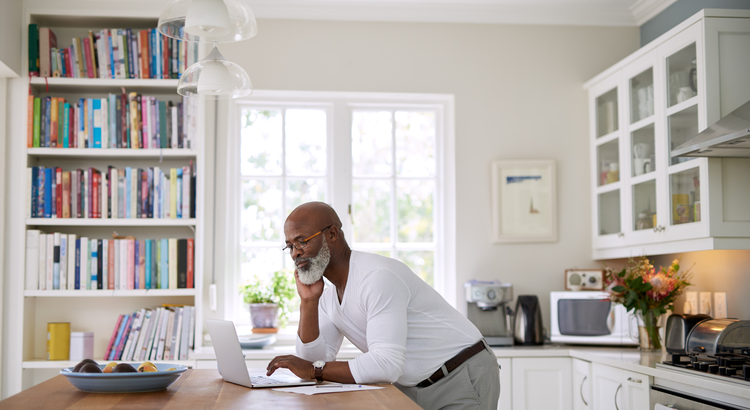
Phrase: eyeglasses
(303, 243)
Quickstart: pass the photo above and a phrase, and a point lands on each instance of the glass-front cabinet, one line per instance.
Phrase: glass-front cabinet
(643, 108)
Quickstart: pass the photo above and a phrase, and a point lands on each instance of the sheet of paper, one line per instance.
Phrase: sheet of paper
(327, 388)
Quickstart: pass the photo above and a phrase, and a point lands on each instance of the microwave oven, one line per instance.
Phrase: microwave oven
(590, 318)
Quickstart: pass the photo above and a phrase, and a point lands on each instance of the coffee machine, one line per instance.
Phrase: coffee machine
(487, 307)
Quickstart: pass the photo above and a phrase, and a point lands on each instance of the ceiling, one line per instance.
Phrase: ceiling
(556, 12)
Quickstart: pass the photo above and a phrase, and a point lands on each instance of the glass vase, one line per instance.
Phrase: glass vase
(649, 330)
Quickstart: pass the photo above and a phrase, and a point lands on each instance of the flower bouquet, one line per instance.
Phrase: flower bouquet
(647, 293)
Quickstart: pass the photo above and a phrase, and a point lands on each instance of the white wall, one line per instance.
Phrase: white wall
(10, 32)
(518, 95)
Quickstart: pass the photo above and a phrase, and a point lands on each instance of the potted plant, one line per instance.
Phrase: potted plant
(269, 301)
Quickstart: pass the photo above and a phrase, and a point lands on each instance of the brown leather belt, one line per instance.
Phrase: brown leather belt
(453, 363)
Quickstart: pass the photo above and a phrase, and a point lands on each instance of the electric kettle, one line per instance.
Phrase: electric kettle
(527, 324)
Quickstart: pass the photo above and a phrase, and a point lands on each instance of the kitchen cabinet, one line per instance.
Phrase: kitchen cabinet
(644, 201)
(506, 377)
(541, 383)
(617, 389)
(581, 384)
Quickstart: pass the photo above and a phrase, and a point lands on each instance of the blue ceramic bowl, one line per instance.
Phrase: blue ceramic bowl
(125, 382)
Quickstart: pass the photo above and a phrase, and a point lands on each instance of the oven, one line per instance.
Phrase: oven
(663, 398)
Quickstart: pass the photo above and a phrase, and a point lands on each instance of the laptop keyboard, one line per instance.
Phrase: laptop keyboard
(262, 380)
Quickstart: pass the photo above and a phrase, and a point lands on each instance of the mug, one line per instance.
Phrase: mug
(641, 150)
(685, 94)
(639, 165)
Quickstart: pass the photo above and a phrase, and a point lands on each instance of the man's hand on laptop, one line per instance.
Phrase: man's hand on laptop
(300, 367)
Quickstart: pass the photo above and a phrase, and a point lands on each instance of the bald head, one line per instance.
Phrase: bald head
(318, 214)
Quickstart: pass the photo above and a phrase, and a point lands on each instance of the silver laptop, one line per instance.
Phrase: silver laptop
(232, 362)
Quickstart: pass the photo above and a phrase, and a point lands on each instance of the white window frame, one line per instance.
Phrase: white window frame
(339, 107)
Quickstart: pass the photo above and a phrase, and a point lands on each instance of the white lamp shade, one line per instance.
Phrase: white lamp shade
(208, 18)
(208, 21)
(215, 77)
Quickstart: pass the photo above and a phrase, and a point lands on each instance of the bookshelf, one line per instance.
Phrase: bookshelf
(87, 310)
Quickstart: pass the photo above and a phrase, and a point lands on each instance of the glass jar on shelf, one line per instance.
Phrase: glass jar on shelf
(645, 221)
(613, 175)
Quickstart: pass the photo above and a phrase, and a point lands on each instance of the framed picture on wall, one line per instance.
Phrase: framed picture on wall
(524, 201)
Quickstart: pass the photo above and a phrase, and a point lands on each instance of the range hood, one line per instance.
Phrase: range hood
(727, 138)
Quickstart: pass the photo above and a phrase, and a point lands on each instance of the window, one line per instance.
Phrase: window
(377, 159)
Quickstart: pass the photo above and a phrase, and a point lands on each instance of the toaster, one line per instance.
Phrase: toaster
(678, 329)
(716, 337)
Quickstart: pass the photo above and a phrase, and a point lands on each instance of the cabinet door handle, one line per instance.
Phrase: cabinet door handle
(581, 391)
(632, 380)
(617, 391)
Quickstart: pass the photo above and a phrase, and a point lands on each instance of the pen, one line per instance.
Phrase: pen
(323, 386)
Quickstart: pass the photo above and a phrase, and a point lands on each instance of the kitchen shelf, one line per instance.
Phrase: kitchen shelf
(127, 153)
(108, 293)
(60, 364)
(110, 222)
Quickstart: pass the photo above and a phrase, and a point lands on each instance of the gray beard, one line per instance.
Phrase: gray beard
(317, 266)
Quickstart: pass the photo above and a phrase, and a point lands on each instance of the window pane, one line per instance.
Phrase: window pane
(261, 263)
(415, 210)
(261, 211)
(415, 143)
(306, 142)
(421, 262)
(299, 191)
(261, 142)
(371, 143)
(372, 211)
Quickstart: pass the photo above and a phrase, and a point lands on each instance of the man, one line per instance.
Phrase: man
(409, 334)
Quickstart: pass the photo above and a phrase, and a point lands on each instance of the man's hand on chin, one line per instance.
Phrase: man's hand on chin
(309, 292)
(300, 367)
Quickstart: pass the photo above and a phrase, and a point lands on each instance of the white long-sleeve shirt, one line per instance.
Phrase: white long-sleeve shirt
(405, 329)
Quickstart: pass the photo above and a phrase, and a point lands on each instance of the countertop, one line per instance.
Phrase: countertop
(625, 358)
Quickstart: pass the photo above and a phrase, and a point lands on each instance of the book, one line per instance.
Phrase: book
(63, 282)
(30, 121)
(147, 279)
(47, 41)
(123, 337)
(84, 277)
(77, 279)
(97, 116)
(113, 337)
(154, 265)
(131, 264)
(169, 334)
(141, 258)
(32, 259)
(133, 336)
(124, 265)
(33, 50)
(157, 332)
(42, 273)
(50, 269)
(37, 121)
(94, 252)
(53, 117)
(147, 334)
(182, 263)
(164, 264)
(135, 354)
(190, 263)
(185, 328)
(103, 250)
(172, 263)
(72, 261)
(56, 261)
(149, 345)
(111, 264)
(177, 332)
(168, 316)
(58, 193)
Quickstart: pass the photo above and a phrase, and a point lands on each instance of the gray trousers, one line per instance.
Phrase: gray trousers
(475, 384)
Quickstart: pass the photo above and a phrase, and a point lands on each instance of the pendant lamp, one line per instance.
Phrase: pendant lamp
(210, 21)
(215, 77)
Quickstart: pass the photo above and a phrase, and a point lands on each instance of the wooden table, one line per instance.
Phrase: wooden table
(201, 389)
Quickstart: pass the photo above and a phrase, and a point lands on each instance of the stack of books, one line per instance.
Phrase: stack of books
(114, 193)
(109, 53)
(59, 261)
(164, 333)
(118, 121)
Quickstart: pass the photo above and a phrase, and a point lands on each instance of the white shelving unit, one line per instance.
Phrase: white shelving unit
(24, 332)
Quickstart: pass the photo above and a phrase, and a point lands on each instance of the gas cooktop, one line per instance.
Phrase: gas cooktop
(724, 367)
